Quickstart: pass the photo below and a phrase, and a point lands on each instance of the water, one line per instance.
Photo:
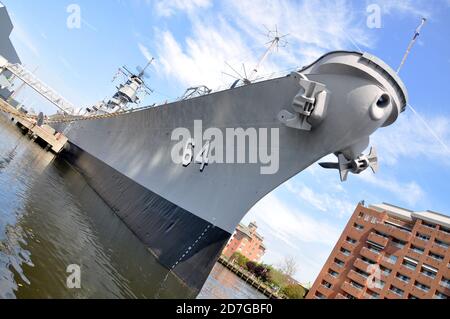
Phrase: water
(50, 219)
(223, 284)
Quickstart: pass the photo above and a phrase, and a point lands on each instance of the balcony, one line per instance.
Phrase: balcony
(436, 263)
(393, 295)
(360, 279)
(407, 271)
(332, 280)
(416, 241)
(360, 264)
(426, 230)
(399, 283)
(325, 291)
(443, 236)
(349, 246)
(414, 254)
(427, 280)
(377, 239)
(343, 257)
(340, 296)
(393, 231)
(348, 288)
(438, 249)
(366, 252)
(419, 293)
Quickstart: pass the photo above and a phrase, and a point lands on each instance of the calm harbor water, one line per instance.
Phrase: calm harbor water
(50, 219)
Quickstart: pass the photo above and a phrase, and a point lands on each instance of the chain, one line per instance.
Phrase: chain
(7, 108)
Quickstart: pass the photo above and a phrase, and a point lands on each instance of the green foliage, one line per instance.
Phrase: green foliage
(240, 259)
(277, 278)
(294, 291)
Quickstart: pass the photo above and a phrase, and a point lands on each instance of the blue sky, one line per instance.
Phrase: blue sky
(191, 41)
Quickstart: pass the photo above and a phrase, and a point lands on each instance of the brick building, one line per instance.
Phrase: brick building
(388, 252)
(247, 241)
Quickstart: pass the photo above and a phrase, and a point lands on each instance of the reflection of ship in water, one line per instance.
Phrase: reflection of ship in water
(50, 218)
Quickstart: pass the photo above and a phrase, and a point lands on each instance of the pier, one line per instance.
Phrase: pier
(44, 134)
(250, 279)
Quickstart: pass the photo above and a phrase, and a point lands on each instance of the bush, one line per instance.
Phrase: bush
(294, 291)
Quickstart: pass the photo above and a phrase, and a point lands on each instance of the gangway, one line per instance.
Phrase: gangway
(37, 85)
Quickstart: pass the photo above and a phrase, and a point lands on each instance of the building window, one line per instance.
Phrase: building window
(445, 230)
(351, 240)
(372, 295)
(409, 263)
(403, 277)
(423, 236)
(391, 259)
(445, 282)
(429, 271)
(339, 262)
(361, 214)
(417, 249)
(333, 273)
(441, 243)
(326, 284)
(368, 261)
(436, 256)
(398, 243)
(421, 286)
(346, 252)
(374, 247)
(319, 295)
(381, 234)
(440, 295)
(349, 296)
(412, 297)
(356, 285)
(397, 291)
(362, 273)
(358, 226)
(427, 224)
(402, 228)
(385, 271)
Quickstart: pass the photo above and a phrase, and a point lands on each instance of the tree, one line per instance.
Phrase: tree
(294, 291)
(261, 272)
(289, 266)
(277, 278)
(251, 266)
(240, 259)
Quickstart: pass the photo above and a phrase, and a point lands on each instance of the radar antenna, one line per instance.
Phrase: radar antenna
(275, 42)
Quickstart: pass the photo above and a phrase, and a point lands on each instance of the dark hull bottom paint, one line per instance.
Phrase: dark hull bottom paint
(181, 241)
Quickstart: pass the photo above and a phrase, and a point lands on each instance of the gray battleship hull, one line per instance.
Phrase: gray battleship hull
(185, 215)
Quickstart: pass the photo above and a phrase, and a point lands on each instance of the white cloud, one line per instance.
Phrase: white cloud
(409, 192)
(333, 201)
(167, 8)
(145, 51)
(404, 7)
(291, 225)
(231, 35)
(409, 139)
(200, 59)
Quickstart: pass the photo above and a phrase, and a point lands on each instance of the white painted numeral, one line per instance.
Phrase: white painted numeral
(202, 157)
(188, 153)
